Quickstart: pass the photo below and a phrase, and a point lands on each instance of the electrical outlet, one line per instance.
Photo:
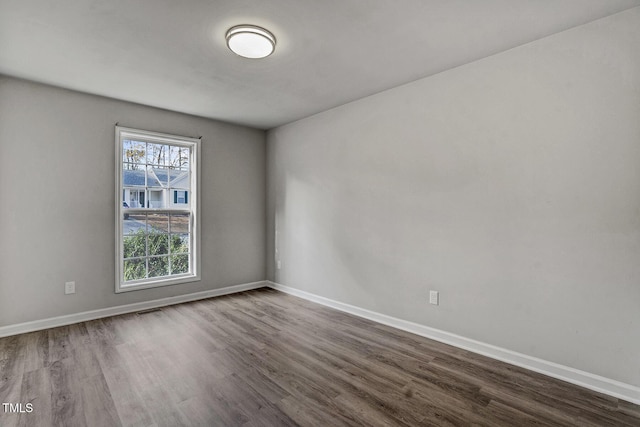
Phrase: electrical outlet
(69, 288)
(434, 297)
(278, 264)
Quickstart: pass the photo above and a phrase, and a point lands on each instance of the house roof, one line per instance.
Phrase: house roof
(157, 178)
(170, 175)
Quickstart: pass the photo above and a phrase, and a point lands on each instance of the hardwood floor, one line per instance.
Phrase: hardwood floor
(263, 358)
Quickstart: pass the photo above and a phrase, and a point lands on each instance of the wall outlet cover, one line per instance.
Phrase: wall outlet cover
(70, 288)
(434, 297)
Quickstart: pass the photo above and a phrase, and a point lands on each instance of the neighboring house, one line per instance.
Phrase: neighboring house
(164, 188)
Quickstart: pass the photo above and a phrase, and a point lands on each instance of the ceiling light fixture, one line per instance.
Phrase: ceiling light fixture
(250, 41)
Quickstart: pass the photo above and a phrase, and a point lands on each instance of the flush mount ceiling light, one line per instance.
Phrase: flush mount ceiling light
(250, 41)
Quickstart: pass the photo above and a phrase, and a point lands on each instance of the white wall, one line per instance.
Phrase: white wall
(57, 200)
(511, 185)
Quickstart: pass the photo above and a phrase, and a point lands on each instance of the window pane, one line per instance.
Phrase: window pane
(157, 154)
(179, 157)
(136, 245)
(158, 243)
(156, 199)
(133, 152)
(135, 269)
(158, 222)
(132, 166)
(133, 223)
(179, 179)
(179, 243)
(180, 223)
(156, 188)
(133, 198)
(179, 264)
(161, 175)
(133, 178)
(158, 266)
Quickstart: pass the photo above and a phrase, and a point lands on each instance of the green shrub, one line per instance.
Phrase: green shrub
(143, 245)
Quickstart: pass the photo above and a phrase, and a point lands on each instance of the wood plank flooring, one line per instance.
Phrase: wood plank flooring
(263, 358)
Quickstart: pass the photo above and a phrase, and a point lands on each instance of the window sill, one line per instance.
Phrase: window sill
(148, 284)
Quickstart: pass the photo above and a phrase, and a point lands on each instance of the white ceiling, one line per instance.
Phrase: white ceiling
(172, 54)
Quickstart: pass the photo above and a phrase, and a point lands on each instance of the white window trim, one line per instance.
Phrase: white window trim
(156, 137)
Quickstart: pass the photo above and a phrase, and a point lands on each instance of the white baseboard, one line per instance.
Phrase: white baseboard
(584, 379)
(52, 322)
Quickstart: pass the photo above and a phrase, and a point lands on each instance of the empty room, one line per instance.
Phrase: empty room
(319, 213)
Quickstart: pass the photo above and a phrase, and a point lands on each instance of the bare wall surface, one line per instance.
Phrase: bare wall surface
(57, 200)
(511, 185)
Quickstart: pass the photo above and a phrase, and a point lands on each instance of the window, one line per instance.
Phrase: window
(180, 197)
(157, 217)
